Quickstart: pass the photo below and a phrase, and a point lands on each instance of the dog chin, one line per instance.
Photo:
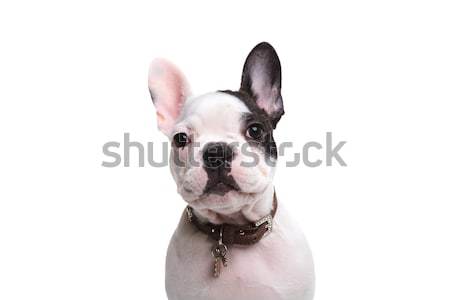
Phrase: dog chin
(223, 203)
(229, 203)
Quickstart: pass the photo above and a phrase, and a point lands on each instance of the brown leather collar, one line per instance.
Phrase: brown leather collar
(236, 234)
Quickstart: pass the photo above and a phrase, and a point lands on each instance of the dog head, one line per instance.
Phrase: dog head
(223, 150)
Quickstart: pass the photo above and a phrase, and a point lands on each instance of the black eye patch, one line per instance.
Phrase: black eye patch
(256, 116)
(263, 133)
(249, 119)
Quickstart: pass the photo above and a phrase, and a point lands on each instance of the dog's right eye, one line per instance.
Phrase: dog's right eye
(255, 131)
(180, 140)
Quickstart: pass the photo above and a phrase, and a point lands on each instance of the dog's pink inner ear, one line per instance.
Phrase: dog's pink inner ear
(267, 96)
(169, 90)
(261, 78)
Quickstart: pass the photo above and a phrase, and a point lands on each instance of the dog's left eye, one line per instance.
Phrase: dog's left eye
(180, 140)
(255, 131)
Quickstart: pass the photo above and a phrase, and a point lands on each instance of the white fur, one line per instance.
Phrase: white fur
(217, 117)
(280, 266)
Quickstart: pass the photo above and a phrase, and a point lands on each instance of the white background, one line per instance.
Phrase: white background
(73, 75)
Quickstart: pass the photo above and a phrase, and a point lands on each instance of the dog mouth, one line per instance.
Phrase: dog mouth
(221, 186)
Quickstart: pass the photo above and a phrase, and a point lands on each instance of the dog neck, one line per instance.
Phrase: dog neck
(260, 205)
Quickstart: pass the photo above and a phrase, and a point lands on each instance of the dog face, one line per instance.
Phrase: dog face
(223, 151)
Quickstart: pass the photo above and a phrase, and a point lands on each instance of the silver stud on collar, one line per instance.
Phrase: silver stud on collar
(189, 213)
(267, 219)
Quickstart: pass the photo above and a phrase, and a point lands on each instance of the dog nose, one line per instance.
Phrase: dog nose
(217, 155)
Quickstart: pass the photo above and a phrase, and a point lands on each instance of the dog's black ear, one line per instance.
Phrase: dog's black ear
(261, 79)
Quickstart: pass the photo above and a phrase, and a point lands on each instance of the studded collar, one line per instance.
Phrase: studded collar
(231, 234)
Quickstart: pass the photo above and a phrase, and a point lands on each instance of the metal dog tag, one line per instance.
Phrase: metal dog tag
(219, 252)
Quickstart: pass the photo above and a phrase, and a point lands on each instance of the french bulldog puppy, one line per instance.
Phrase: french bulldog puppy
(223, 161)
